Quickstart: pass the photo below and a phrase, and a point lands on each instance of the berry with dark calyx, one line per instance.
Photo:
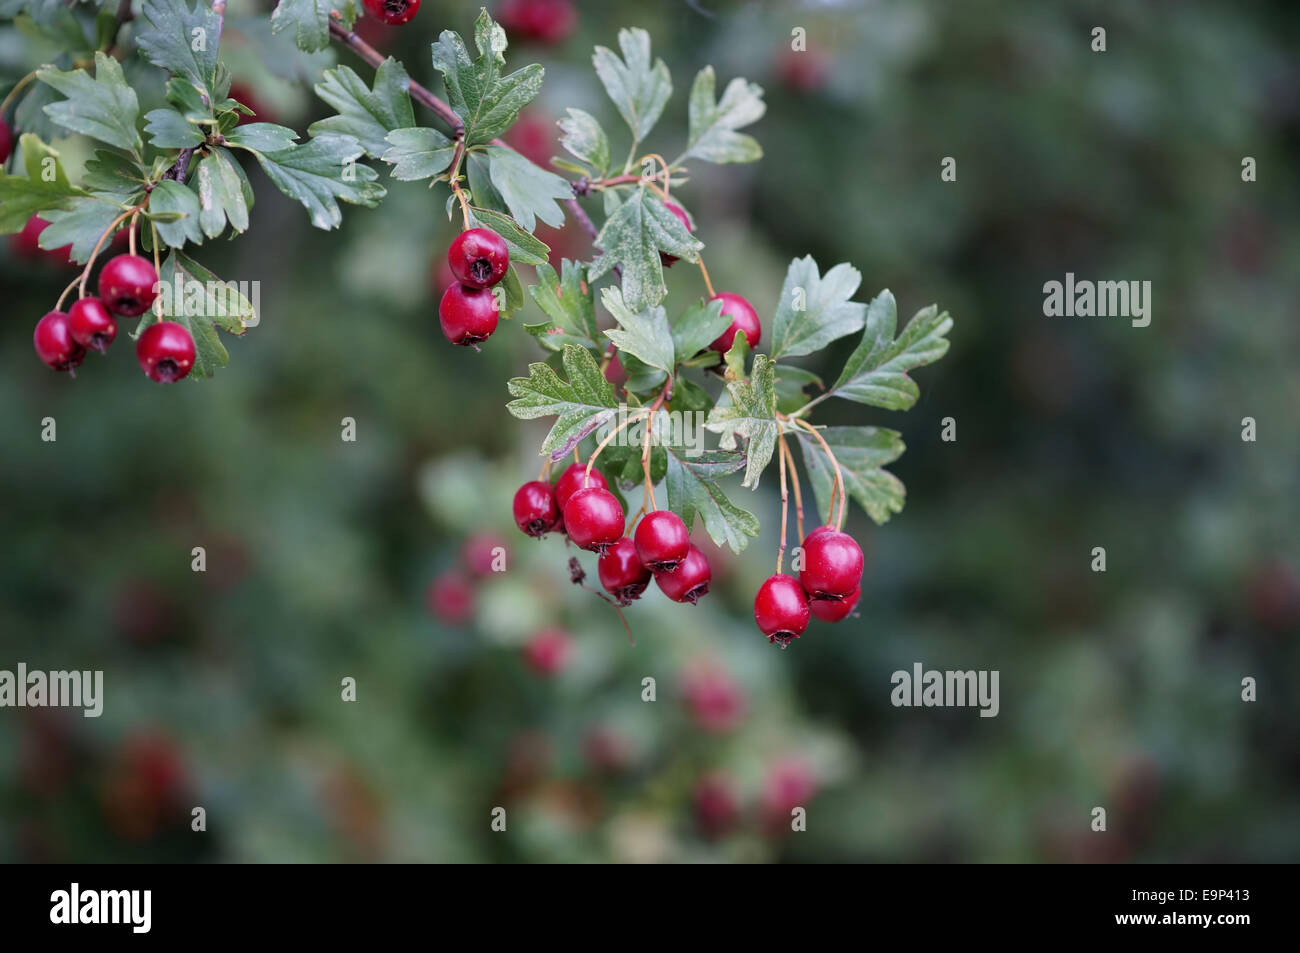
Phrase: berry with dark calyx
(781, 609)
(690, 580)
(54, 343)
(573, 479)
(6, 140)
(534, 508)
(478, 257)
(833, 610)
(594, 519)
(468, 315)
(662, 540)
(392, 12)
(128, 285)
(91, 324)
(621, 572)
(743, 318)
(165, 351)
(680, 214)
(832, 564)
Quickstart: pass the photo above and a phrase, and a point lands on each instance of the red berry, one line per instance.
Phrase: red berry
(614, 372)
(54, 343)
(594, 519)
(534, 508)
(468, 315)
(573, 479)
(6, 140)
(546, 21)
(743, 318)
(669, 260)
(392, 12)
(715, 701)
(165, 352)
(450, 598)
(26, 243)
(832, 564)
(790, 783)
(781, 609)
(689, 580)
(715, 804)
(621, 572)
(662, 540)
(91, 324)
(478, 257)
(484, 554)
(548, 651)
(128, 285)
(833, 610)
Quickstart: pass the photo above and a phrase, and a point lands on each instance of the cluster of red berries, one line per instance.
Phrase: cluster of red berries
(127, 287)
(469, 310)
(581, 506)
(392, 12)
(828, 587)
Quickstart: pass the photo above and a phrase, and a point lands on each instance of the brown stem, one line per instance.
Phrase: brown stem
(180, 167)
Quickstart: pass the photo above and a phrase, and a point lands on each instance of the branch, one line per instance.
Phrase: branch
(178, 170)
(444, 112)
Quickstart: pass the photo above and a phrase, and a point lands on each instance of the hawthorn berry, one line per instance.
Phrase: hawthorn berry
(790, 783)
(593, 518)
(478, 257)
(621, 572)
(680, 214)
(690, 580)
(743, 318)
(450, 598)
(165, 352)
(662, 540)
(6, 140)
(715, 805)
(392, 12)
(534, 508)
(546, 21)
(714, 699)
(573, 479)
(54, 343)
(468, 315)
(480, 551)
(26, 243)
(832, 564)
(781, 609)
(91, 325)
(128, 285)
(833, 610)
(548, 651)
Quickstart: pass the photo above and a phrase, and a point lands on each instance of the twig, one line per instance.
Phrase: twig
(180, 167)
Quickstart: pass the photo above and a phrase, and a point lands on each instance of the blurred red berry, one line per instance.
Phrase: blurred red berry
(547, 652)
(450, 598)
(715, 805)
(713, 699)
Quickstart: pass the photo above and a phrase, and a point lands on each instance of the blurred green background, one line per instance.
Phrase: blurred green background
(1120, 690)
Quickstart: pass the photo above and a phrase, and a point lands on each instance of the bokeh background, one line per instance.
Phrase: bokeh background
(328, 559)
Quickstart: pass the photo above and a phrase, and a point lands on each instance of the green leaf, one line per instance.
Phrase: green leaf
(584, 138)
(524, 249)
(221, 195)
(529, 191)
(112, 175)
(582, 403)
(861, 453)
(639, 90)
(263, 137)
(319, 173)
(172, 198)
(309, 20)
(876, 372)
(697, 327)
(513, 291)
(713, 126)
(633, 237)
(644, 334)
(368, 114)
(570, 310)
(814, 310)
(751, 415)
(735, 358)
(196, 298)
(44, 187)
(791, 384)
(417, 153)
(193, 103)
(104, 108)
(693, 489)
(180, 39)
(168, 129)
(486, 102)
(80, 225)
